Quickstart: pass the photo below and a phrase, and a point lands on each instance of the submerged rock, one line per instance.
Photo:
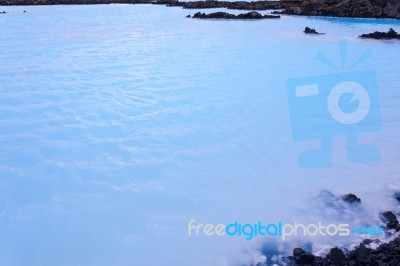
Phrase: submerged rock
(390, 219)
(351, 198)
(311, 31)
(391, 34)
(225, 15)
(397, 196)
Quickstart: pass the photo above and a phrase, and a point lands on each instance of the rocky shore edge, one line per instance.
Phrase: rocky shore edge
(333, 8)
(370, 252)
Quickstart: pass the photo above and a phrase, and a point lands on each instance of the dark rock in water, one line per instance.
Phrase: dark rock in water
(391, 34)
(389, 216)
(303, 257)
(188, 16)
(298, 251)
(351, 198)
(397, 196)
(367, 241)
(337, 256)
(390, 219)
(3, 12)
(278, 12)
(224, 15)
(250, 15)
(311, 31)
(166, 2)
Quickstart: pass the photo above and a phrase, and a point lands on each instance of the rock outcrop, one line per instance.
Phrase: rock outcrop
(308, 30)
(224, 15)
(391, 34)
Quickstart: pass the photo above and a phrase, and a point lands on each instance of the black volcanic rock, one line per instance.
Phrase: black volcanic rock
(391, 34)
(367, 241)
(242, 5)
(166, 2)
(297, 252)
(346, 8)
(351, 198)
(390, 219)
(397, 196)
(389, 216)
(365, 254)
(225, 15)
(337, 256)
(311, 31)
(362, 255)
(303, 257)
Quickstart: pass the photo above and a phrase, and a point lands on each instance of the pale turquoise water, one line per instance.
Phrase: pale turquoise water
(121, 123)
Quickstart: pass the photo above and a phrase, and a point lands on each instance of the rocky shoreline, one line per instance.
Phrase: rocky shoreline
(333, 8)
(369, 252)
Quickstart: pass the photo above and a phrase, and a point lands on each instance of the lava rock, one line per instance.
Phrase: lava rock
(388, 216)
(361, 254)
(308, 30)
(345, 8)
(391, 34)
(240, 5)
(165, 2)
(297, 252)
(351, 198)
(397, 196)
(337, 256)
(367, 241)
(390, 219)
(303, 257)
(224, 15)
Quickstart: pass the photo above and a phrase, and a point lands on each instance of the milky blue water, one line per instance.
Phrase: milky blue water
(120, 123)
